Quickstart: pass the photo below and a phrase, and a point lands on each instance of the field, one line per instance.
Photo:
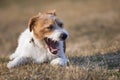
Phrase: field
(93, 46)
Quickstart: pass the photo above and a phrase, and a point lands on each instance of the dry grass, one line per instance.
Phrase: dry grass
(93, 47)
(47, 72)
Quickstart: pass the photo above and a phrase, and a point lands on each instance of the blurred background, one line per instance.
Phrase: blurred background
(93, 25)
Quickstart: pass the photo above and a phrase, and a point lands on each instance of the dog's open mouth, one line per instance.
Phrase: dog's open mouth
(52, 45)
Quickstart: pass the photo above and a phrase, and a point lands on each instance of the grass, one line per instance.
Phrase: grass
(93, 47)
(75, 71)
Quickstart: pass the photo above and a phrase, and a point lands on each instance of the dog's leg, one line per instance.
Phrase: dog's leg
(59, 61)
(17, 61)
(40, 60)
(15, 54)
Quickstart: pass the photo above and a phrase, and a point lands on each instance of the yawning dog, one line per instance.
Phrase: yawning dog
(42, 41)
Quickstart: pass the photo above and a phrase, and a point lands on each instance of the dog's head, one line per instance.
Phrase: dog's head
(48, 28)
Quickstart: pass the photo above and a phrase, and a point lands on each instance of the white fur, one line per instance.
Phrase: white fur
(27, 51)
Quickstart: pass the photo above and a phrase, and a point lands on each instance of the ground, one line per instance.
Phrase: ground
(93, 46)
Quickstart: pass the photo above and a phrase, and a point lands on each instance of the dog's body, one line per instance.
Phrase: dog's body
(41, 42)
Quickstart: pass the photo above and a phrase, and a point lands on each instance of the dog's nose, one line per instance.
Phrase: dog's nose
(63, 36)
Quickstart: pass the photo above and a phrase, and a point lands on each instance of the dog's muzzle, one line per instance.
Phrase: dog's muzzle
(52, 45)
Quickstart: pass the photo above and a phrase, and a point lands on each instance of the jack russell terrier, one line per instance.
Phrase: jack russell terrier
(42, 41)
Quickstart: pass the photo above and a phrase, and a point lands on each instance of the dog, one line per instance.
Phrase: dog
(43, 41)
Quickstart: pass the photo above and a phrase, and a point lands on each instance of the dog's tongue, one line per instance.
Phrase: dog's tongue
(53, 47)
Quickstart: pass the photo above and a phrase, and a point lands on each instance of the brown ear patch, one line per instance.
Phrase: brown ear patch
(32, 22)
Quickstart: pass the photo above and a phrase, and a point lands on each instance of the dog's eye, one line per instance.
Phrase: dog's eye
(50, 27)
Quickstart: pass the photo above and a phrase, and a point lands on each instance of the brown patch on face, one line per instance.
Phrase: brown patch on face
(43, 28)
(44, 24)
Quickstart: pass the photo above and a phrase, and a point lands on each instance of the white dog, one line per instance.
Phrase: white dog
(42, 41)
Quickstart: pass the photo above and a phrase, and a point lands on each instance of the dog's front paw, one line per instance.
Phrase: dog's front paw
(59, 61)
(12, 56)
(10, 65)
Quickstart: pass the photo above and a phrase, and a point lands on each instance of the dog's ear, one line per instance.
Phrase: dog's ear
(32, 22)
(52, 12)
